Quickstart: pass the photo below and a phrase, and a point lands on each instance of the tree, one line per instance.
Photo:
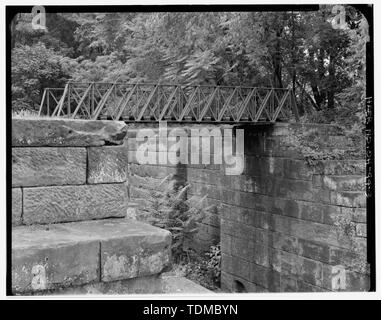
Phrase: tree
(33, 69)
(301, 50)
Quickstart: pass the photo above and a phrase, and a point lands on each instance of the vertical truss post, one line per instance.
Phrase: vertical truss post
(294, 106)
(48, 99)
(92, 99)
(68, 100)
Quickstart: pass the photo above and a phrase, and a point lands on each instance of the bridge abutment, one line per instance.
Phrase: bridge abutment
(290, 220)
(280, 221)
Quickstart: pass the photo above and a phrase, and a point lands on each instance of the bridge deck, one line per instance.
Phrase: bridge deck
(173, 103)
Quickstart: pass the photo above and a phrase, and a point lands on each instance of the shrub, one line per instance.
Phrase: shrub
(313, 147)
(214, 263)
(33, 69)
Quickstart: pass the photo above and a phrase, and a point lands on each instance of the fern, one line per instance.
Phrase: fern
(172, 211)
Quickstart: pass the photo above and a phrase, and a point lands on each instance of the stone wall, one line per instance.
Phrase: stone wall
(69, 201)
(293, 226)
(147, 178)
(66, 171)
(283, 224)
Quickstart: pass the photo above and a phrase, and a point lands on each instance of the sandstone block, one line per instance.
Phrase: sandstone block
(339, 278)
(341, 167)
(48, 166)
(318, 212)
(288, 284)
(107, 164)
(313, 250)
(16, 206)
(74, 203)
(129, 248)
(348, 258)
(284, 242)
(226, 242)
(349, 199)
(265, 277)
(72, 254)
(340, 183)
(295, 189)
(358, 214)
(65, 132)
(242, 247)
(361, 230)
(45, 259)
(296, 169)
(307, 270)
(134, 250)
(307, 287)
(309, 230)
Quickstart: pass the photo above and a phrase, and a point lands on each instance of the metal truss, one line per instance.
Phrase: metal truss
(160, 102)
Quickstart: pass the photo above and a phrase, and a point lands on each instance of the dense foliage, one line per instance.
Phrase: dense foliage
(324, 65)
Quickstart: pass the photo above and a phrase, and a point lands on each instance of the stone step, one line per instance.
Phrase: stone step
(161, 284)
(49, 257)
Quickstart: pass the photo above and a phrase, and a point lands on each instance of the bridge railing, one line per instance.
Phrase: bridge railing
(158, 102)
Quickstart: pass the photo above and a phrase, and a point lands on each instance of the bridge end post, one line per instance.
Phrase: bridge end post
(294, 106)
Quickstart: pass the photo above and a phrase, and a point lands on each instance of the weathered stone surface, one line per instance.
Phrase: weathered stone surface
(48, 166)
(16, 206)
(146, 252)
(129, 248)
(107, 164)
(307, 270)
(45, 258)
(340, 167)
(155, 284)
(144, 285)
(361, 230)
(358, 214)
(234, 283)
(74, 203)
(314, 250)
(63, 132)
(340, 183)
(349, 199)
(175, 284)
(71, 254)
(309, 230)
(318, 212)
(339, 278)
(265, 277)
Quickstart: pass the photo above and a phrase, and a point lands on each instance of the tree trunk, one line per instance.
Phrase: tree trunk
(331, 90)
(13, 29)
(277, 63)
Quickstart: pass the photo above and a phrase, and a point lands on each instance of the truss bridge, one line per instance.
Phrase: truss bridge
(173, 103)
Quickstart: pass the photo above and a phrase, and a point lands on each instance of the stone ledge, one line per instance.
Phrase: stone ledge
(154, 284)
(42, 132)
(72, 254)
